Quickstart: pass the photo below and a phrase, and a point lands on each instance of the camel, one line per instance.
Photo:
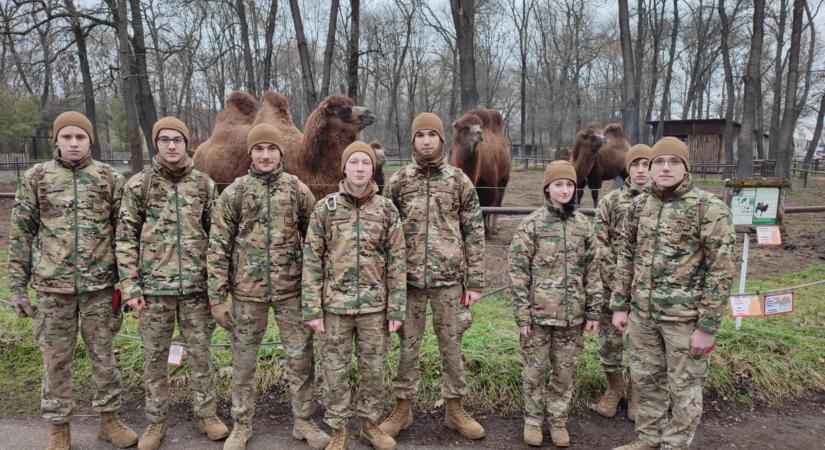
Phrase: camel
(380, 159)
(480, 149)
(598, 154)
(274, 110)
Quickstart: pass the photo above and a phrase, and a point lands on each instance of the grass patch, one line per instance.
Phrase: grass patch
(769, 359)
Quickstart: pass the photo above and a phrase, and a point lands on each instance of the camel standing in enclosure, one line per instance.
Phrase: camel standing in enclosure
(598, 154)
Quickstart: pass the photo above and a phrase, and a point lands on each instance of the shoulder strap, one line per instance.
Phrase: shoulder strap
(107, 178)
(239, 193)
(703, 201)
(203, 189)
(37, 176)
(146, 187)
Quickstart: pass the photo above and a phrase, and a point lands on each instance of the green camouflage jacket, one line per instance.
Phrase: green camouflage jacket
(255, 245)
(163, 233)
(607, 226)
(354, 261)
(443, 226)
(553, 275)
(676, 261)
(62, 229)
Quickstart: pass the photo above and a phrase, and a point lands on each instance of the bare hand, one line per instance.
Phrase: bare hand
(136, 303)
(620, 320)
(525, 330)
(472, 297)
(701, 342)
(21, 304)
(592, 326)
(394, 325)
(317, 325)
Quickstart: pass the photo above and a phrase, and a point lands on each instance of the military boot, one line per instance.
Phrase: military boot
(371, 434)
(339, 439)
(455, 418)
(241, 432)
(609, 402)
(213, 428)
(533, 435)
(399, 419)
(115, 432)
(559, 436)
(306, 430)
(151, 437)
(60, 438)
(637, 445)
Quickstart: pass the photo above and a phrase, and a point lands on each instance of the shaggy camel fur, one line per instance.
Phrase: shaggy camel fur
(380, 160)
(481, 150)
(598, 154)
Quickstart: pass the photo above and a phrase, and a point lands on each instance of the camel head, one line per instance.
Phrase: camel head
(590, 138)
(467, 132)
(342, 113)
(380, 153)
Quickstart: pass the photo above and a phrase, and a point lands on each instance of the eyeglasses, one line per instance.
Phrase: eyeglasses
(164, 141)
(672, 162)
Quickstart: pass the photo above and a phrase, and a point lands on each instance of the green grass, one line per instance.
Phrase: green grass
(769, 359)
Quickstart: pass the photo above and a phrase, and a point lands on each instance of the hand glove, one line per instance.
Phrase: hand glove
(222, 313)
(21, 304)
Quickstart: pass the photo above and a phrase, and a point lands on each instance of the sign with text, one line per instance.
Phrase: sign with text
(755, 206)
(781, 303)
(768, 235)
(745, 305)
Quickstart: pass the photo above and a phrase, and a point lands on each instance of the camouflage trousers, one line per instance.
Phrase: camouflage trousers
(157, 323)
(369, 331)
(611, 343)
(55, 331)
(450, 321)
(559, 347)
(668, 380)
(251, 319)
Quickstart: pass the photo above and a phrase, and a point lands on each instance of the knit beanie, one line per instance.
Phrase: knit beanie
(559, 170)
(69, 118)
(357, 146)
(170, 123)
(263, 134)
(428, 121)
(638, 151)
(671, 146)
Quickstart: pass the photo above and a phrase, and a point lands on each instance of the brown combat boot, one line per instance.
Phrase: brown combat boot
(306, 430)
(241, 433)
(371, 434)
(609, 402)
(559, 436)
(455, 418)
(151, 437)
(632, 402)
(213, 427)
(399, 419)
(339, 439)
(60, 438)
(115, 432)
(533, 435)
(637, 445)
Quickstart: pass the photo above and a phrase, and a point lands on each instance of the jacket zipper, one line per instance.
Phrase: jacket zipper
(357, 255)
(568, 317)
(177, 229)
(268, 238)
(76, 232)
(653, 258)
(427, 232)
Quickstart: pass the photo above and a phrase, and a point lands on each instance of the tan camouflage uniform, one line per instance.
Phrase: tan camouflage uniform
(555, 286)
(255, 254)
(354, 277)
(444, 232)
(62, 241)
(673, 274)
(161, 254)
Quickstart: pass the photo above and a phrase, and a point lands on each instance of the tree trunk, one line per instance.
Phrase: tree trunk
(85, 73)
(352, 49)
(464, 19)
(665, 105)
(744, 164)
(147, 114)
(269, 33)
(630, 108)
(791, 111)
(638, 63)
(303, 52)
(776, 109)
(329, 47)
(809, 155)
(727, 134)
(120, 13)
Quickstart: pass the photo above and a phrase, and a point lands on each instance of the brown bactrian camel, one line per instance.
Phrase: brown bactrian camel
(274, 110)
(332, 126)
(223, 156)
(381, 159)
(481, 150)
(598, 154)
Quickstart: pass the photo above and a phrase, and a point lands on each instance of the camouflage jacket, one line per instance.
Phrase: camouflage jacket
(553, 274)
(676, 261)
(62, 228)
(443, 226)
(354, 258)
(607, 225)
(255, 245)
(163, 233)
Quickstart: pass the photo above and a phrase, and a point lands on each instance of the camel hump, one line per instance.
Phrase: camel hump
(277, 100)
(243, 102)
(615, 130)
(491, 119)
(274, 107)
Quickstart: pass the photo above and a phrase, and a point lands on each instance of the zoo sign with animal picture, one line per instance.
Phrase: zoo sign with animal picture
(756, 201)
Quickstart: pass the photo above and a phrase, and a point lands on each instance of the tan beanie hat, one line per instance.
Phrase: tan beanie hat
(638, 151)
(428, 121)
(559, 170)
(69, 118)
(170, 123)
(671, 146)
(263, 133)
(357, 146)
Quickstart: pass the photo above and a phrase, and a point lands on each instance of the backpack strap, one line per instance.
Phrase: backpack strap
(203, 189)
(146, 187)
(239, 194)
(36, 185)
(704, 198)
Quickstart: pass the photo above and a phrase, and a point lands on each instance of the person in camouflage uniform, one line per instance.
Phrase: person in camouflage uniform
(354, 281)
(255, 254)
(673, 273)
(607, 224)
(162, 236)
(556, 286)
(444, 232)
(62, 242)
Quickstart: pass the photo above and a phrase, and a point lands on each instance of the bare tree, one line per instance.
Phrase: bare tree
(464, 21)
(744, 164)
(240, 8)
(352, 49)
(120, 13)
(784, 155)
(778, 68)
(303, 52)
(85, 73)
(809, 154)
(727, 134)
(329, 47)
(664, 109)
(520, 14)
(266, 74)
(630, 105)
